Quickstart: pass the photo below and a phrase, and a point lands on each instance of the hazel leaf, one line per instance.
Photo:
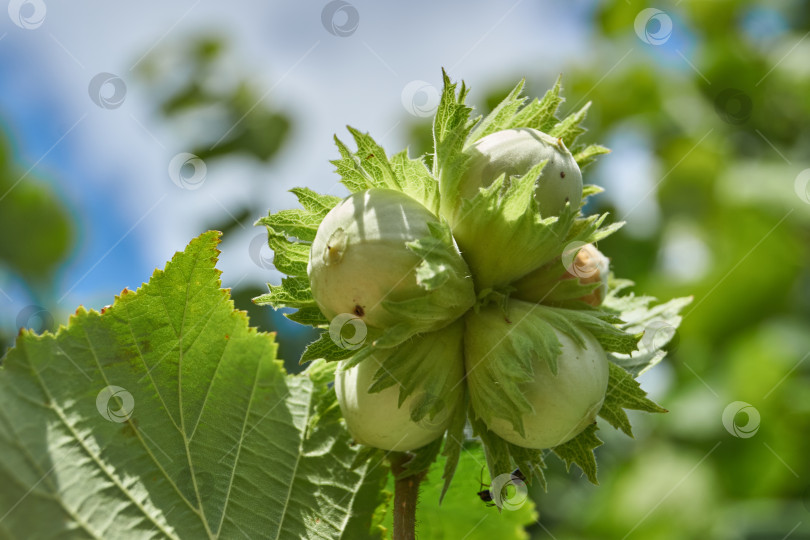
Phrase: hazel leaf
(167, 415)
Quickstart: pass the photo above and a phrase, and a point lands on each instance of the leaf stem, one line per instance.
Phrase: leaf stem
(406, 495)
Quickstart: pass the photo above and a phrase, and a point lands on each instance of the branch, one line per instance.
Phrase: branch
(406, 494)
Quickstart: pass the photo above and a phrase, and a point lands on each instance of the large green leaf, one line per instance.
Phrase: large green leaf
(168, 416)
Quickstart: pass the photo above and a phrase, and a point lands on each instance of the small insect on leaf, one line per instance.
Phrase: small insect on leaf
(486, 495)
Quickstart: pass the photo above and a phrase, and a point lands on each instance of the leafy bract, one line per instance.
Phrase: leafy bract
(167, 415)
(569, 129)
(659, 323)
(454, 443)
(579, 451)
(624, 392)
(369, 167)
(290, 234)
(444, 276)
(504, 217)
(539, 113)
(585, 155)
(432, 363)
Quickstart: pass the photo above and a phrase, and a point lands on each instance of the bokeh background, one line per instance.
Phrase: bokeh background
(128, 129)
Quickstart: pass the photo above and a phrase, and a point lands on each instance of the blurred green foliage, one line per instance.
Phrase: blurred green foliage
(216, 108)
(31, 251)
(38, 233)
(197, 83)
